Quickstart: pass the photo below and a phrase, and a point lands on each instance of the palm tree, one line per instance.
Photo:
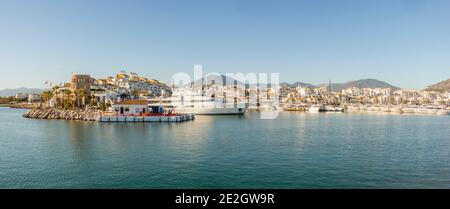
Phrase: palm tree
(80, 93)
(47, 95)
(67, 99)
(55, 88)
(92, 101)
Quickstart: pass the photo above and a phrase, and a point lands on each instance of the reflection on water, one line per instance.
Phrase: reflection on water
(297, 150)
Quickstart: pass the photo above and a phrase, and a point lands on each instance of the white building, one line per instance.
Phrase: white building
(34, 97)
(304, 91)
(130, 107)
(52, 103)
(21, 96)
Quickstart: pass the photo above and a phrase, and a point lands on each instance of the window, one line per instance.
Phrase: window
(127, 109)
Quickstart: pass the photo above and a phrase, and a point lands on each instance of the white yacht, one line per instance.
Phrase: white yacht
(396, 109)
(316, 109)
(410, 109)
(353, 108)
(187, 101)
(443, 112)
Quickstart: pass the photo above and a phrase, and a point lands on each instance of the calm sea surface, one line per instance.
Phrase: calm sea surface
(297, 150)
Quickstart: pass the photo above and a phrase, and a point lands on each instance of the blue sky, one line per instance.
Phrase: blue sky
(403, 42)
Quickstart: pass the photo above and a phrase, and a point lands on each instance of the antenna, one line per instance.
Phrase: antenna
(329, 86)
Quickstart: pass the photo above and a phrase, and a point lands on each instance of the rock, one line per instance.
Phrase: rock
(50, 113)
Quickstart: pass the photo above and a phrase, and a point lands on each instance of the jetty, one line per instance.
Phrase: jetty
(147, 118)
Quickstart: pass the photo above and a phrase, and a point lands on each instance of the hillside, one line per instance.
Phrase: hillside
(442, 86)
(363, 83)
(293, 85)
(218, 80)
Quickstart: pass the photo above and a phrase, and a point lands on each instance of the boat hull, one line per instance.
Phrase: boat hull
(315, 109)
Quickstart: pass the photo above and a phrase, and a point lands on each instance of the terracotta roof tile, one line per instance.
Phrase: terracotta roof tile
(132, 102)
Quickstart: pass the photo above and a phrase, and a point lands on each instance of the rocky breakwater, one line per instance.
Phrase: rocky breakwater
(52, 113)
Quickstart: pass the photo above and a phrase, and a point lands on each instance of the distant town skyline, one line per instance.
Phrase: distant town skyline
(403, 42)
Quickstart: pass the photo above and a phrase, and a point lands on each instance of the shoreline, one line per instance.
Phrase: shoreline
(21, 105)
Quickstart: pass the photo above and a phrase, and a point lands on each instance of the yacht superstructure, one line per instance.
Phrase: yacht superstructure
(184, 100)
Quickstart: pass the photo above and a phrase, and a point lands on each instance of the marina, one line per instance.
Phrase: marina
(128, 97)
(224, 104)
(405, 109)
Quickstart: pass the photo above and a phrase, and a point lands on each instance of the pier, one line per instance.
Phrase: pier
(147, 118)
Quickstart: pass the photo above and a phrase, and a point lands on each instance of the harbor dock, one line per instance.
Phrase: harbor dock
(147, 118)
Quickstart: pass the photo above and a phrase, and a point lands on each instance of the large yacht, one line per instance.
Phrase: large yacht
(184, 100)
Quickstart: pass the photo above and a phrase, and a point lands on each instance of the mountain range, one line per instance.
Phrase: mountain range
(293, 85)
(442, 86)
(363, 83)
(13, 92)
(217, 79)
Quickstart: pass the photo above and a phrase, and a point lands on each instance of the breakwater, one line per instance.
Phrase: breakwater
(97, 115)
(52, 113)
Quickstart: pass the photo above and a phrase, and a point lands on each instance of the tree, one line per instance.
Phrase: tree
(135, 93)
(67, 99)
(93, 102)
(55, 88)
(80, 93)
(47, 95)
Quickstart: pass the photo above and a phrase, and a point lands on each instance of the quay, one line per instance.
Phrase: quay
(147, 118)
(141, 111)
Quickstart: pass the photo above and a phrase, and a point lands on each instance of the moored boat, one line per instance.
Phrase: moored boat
(443, 112)
(316, 109)
(187, 101)
(353, 108)
(396, 109)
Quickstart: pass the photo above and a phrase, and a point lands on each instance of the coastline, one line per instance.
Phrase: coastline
(21, 105)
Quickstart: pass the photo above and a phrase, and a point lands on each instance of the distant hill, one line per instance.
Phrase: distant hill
(218, 80)
(363, 83)
(442, 86)
(13, 92)
(221, 79)
(293, 85)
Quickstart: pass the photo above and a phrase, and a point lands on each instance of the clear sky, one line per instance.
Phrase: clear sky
(403, 42)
